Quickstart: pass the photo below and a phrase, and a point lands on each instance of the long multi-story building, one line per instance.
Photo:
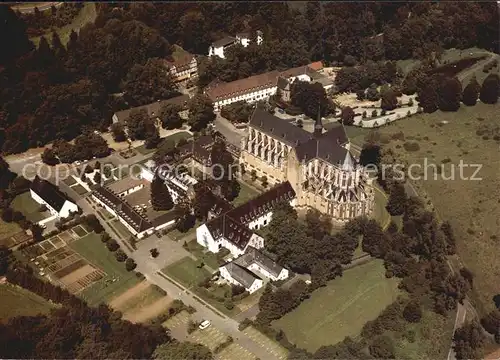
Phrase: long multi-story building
(319, 166)
(262, 86)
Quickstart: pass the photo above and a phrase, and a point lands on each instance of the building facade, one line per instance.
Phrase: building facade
(57, 203)
(319, 166)
(183, 68)
(233, 229)
(218, 48)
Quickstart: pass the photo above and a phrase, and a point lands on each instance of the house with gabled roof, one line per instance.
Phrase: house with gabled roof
(57, 202)
(233, 229)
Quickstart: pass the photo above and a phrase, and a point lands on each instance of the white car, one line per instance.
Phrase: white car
(204, 324)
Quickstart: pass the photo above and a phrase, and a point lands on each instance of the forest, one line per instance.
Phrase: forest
(54, 91)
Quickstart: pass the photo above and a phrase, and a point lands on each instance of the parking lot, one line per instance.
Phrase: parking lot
(268, 344)
(235, 351)
(211, 337)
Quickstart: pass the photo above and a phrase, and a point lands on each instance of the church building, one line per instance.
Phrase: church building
(319, 166)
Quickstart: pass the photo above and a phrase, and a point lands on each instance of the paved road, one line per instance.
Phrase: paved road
(227, 129)
(204, 310)
(466, 73)
(24, 9)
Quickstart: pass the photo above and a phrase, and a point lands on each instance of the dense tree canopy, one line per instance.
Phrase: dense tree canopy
(52, 92)
(148, 83)
(490, 90)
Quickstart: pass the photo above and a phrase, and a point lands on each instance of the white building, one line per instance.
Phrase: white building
(139, 219)
(251, 89)
(249, 269)
(262, 86)
(45, 193)
(233, 229)
(217, 48)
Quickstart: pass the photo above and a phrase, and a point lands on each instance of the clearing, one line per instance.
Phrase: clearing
(17, 301)
(341, 308)
(87, 15)
(117, 278)
(472, 207)
(141, 302)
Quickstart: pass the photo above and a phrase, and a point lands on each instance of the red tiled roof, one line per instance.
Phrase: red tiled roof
(318, 65)
(243, 86)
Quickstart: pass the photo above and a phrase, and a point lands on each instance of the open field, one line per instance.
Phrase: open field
(174, 137)
(17, 301)
(87, 14)
(341, 308)
(29, 207)
(141, 302)
(186, 272)
(472, 207)
(116, 280)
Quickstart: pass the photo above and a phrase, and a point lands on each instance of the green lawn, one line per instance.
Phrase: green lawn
(21, 302)
(8, 229)
(246, 193)
(471, 207)
(29, 207)
(379, 211)
(209, 258)
(176, 235)
(174, 137)
(92, 249)
(87, 14)
(186, 272)
(120, 228)
(341, 308)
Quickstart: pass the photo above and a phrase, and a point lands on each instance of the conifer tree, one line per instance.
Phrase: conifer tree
(489, 89)
(160, 195)
(471, 92)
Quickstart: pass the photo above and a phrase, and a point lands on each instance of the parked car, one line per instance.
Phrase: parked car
(204, 324)
(281, 111)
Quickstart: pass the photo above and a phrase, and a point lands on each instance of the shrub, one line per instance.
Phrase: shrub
(112, 245)
(246, 322)
(130, 264)
(191, 326)
(120, 255)
(374, 113)
(411, 146)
